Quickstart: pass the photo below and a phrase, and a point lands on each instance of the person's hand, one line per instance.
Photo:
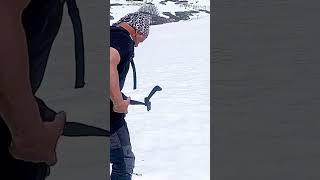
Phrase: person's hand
(122, 106)
(41, 146)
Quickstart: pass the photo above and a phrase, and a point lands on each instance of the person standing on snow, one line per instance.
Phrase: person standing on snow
(127, 33)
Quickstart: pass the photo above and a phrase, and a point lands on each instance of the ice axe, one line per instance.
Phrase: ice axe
(147, 99)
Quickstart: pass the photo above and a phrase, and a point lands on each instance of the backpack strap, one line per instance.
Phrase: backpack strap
(73, 12)
(134, 75)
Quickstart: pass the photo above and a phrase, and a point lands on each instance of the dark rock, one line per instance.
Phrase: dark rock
(116, 4)
(171, 16)
(172, 0)
(183, 15)
(206, 11)
(181, 2)
(156, 20)
(194, 12)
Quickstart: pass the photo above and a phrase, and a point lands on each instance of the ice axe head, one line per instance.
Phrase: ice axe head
(147, 99)
(147, 103)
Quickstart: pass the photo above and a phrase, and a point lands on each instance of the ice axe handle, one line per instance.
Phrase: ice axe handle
(134, 102)
(147, 102)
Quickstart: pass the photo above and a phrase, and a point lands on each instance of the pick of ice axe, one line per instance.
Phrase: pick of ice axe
(147, 99)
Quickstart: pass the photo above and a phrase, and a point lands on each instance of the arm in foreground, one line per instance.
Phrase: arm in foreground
(31, 139)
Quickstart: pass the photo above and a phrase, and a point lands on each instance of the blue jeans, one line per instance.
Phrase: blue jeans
(121, 155)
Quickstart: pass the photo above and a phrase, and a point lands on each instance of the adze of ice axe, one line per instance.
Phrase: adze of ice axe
(147, 99)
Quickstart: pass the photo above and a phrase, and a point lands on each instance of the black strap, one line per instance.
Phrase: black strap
(134, 75)
(79, 45)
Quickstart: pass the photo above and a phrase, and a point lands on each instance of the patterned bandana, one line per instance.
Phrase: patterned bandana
(138, 20)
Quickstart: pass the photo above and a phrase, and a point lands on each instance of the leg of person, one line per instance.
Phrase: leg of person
(17, 169)
(121, 155)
